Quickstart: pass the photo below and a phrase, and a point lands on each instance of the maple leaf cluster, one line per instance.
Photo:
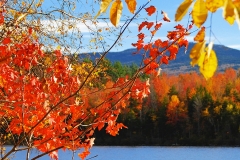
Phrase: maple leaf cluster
(46, 100)
(159, 51)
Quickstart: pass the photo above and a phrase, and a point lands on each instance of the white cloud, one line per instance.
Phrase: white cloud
(87, 26)
(235, 46)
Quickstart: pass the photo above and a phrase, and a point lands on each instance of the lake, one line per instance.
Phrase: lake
(151, 153)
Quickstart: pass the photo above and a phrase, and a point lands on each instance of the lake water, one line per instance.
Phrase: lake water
(151, 153)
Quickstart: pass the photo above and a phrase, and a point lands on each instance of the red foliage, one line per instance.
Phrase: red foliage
(49, 106)
(150, 10)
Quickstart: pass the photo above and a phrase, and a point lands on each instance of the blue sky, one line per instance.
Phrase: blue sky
(223, 33)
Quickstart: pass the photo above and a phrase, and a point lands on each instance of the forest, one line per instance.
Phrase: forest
(182, 109)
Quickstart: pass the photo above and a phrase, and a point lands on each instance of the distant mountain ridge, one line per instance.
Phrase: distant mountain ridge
(227, 57)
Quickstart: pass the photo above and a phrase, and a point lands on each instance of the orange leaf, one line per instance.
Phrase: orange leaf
(1, 19)
(153, 32)
(146, 61)
(30, 30)
(153, 52)
(165, 16)
(173, 49)
(183, 42)
(138, 45)
(141, 36)
(2, 60)
(164, 44)
(58, 53)
(150, 10)
(164, 59)
(172, 35)
(6, 41)
(158, 25)
(200, 35)
(116, 12)
(131, 5)
(84, 154)
(179, 27)
(158, 43)
(143, 24)
(153, 65)
(149, 25)
(147, 47)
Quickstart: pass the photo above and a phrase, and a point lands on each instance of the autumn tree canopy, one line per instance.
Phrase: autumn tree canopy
(48, 95)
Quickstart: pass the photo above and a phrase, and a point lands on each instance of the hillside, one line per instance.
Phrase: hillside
(227, 57)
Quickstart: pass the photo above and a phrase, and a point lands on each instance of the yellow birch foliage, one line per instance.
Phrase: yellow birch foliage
(116, 9)
(208, 63)
(196, 52)
(182, 9)
(228, 11)
(200, 35)
(213, 5)
(205, 58)
(199, 13)
(231, 10)
(131, 5)
(103, 7)
(116, 12)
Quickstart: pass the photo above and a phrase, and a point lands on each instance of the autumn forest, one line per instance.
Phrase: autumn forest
(183, 109)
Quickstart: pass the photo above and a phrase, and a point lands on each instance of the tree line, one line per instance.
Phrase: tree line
(183, 109)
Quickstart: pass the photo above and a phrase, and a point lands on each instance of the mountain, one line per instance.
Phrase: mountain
(227, 57)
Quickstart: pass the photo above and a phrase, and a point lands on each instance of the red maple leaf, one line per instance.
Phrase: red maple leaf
(173, 49)
(1, 19)
(141, 36)
(153, 52)
(158, 43)
(150, 10)
(6, 41)
(149, 25)
(165, 59)
(143, 24)
(158, 25)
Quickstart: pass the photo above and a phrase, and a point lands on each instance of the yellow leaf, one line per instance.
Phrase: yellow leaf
(237, 12)
(93, 40)
(48, 61)
(58, 47)
(21, 17)
(213, 5)
(174, 98)
(131, 5)
(182, 9)
(199, 13)
(209, 65)
(200, 35)
(196, 52)
(103, 7)
(228, 11)
(116, 12)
